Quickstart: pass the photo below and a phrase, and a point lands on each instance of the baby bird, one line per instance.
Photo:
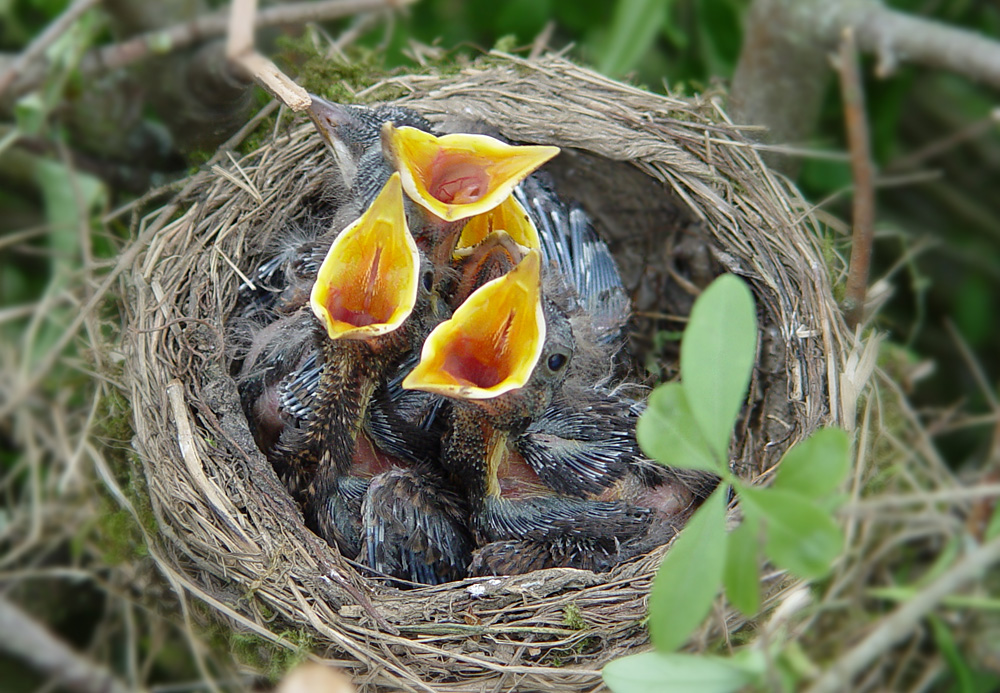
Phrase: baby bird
(371, 308)
(500, 358)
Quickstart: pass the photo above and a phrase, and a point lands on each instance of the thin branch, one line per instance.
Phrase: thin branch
(37, 47)
(29, 641)
(898, 37)
(970, 132)
(779, 79)
(181, 36)
(241, 54)
(901, 622)
(862, 171)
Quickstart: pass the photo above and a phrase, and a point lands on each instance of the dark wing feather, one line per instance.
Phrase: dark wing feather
(298, 390)
(404, 423)
(415, 528)
(518, 557)
(578, 451)
(571, 247)
(547, 518)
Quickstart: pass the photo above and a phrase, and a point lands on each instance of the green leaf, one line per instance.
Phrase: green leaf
(689, 577)
(801, 538)
(633, 29)
(742, 573)
(949, 650)
(656, 672)
(668, 433)
(816, 466)
(30, 114)
(717, 356)
(70, 197)
(993, 527)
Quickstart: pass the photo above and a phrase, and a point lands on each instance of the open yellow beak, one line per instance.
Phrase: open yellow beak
(508, 216)
(367, 284)
(491, 344)
(458, 176)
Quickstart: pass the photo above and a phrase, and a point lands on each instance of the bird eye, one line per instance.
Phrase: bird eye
(556, 362)
(427, 280)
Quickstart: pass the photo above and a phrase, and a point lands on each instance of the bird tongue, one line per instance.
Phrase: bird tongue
(454, 181)
(341, 313)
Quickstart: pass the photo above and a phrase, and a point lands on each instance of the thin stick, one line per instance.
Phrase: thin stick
(240, 52)
(37, 47)
(30, 642)
(972, 131)
(863, 174)
(904, 619)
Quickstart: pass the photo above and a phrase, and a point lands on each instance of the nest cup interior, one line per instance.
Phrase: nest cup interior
(680, 199)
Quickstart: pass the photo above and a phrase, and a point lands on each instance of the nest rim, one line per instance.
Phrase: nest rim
(219, 541)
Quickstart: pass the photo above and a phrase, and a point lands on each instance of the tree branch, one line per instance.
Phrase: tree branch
(902, 621)
(898, 37)
(181, 36)
(862, 170)
(28, 641)
(780, 78)
(241, 54)
(37, 47)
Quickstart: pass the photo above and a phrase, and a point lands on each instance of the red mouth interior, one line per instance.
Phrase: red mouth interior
(342, 312)
(361, 304)
(457, 182)
(465, 363)
(483, 361)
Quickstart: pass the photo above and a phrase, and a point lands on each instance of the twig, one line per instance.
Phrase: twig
(973, 131)
(37, 47)
(181, 36)
(975, 367)
(791, 37)
(951, 496)
(901, 622)
(240, 52)
(541, 42)
(863, 174)
(27, 640)
(896, 36)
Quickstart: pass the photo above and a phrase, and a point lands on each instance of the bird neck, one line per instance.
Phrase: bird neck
(351, 372)
(473, 450)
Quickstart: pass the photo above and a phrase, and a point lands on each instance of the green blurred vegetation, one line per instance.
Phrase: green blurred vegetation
(938, 237)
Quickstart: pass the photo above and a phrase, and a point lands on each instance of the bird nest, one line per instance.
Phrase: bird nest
(680, 195)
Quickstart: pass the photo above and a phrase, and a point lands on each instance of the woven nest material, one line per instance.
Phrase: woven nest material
(680, 196)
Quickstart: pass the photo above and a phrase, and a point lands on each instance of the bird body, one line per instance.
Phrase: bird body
(501, 357)
(533, 458)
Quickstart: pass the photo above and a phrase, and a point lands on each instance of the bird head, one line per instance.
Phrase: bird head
(509, 217)
(369, 281)
(352, 133)
(495, 343)
(458, 176)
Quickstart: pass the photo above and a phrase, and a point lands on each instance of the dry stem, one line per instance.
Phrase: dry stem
(863, 171)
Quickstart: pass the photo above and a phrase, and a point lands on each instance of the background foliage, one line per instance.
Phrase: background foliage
(936, 139)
